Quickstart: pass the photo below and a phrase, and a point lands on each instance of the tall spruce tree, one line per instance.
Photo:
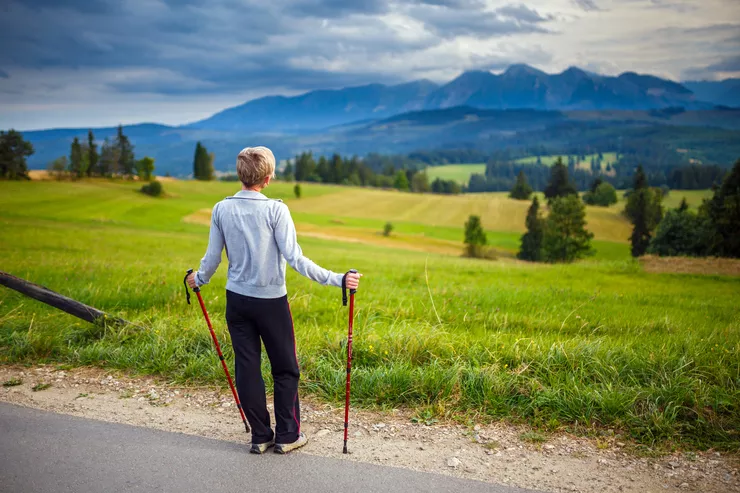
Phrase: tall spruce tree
(92, 154)
(126, 159)
(645, 211)
(75, 158)
(723, 211)
(531, 246)
(198, 162)
(202, 163)
(108, 162)
(521, 189)
(560, 184)
(566, 238)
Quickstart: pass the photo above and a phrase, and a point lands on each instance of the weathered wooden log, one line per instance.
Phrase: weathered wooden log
(51, 298)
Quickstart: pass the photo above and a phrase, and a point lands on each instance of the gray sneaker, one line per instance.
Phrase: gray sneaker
(261, 448)
(284, 448)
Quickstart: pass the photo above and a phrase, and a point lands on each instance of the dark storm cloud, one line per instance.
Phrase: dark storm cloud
(587, 5)
(176, 47)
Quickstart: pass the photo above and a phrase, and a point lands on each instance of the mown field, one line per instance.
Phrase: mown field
(586, 347)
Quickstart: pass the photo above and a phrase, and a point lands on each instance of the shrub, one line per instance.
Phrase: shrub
(297, 191)
(603, 195)
(154, 189)
(387, 229)
(681, 232)
(475, 238)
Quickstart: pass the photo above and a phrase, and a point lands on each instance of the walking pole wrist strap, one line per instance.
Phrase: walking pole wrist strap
(344, 287)
(185, 283)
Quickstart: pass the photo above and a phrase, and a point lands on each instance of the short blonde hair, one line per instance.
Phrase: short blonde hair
(254, 165)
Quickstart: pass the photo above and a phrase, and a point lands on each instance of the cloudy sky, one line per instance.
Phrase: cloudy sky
(101, 62)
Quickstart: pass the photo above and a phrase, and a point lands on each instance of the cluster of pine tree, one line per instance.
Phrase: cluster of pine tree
(714, 230)
(373, 171)
(562, 235)
(116, 158)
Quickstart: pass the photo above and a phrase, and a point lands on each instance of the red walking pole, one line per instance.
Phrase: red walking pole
(218, 347)
(349, 353)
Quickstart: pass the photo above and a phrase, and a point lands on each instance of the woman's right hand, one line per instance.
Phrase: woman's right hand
(352, 280)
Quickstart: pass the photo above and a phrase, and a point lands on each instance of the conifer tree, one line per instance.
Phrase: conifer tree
(75, 158)
(645, 211)
(126, 161)
(13, 153)
(531, 245)
(92, 154)
(723, 211)
(560, 184)
(566, 238)
(521, 189)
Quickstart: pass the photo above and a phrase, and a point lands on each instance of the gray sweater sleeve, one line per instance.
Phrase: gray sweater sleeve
(285, 237)
(212, 258)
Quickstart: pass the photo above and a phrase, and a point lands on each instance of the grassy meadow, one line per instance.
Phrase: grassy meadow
(586, 347)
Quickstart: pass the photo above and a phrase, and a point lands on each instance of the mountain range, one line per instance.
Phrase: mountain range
(520, 86)
(521, 106)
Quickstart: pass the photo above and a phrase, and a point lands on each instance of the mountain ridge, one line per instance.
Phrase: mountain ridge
(519, 86)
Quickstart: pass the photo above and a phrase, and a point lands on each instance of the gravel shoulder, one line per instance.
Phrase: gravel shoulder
(493, 453)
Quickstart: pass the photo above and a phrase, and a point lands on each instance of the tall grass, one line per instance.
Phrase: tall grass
(576, 346)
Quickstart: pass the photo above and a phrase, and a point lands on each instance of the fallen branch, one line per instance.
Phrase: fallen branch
(51, 298)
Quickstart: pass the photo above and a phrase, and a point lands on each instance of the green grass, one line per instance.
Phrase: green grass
(594, 344)
(457, 172)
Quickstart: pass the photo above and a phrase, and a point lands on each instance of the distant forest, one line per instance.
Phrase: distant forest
(406, 171)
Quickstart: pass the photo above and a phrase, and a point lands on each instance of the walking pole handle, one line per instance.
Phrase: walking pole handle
(344, 287)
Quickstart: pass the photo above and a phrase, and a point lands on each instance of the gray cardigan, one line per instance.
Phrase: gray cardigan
(259, 236)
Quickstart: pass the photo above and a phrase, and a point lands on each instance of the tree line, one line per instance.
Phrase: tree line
(561, 236)
(373, 171)
(115, 158)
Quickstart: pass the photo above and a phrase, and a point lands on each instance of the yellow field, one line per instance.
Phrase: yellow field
(497, 211)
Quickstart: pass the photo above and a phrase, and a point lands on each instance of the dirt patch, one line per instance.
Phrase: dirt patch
(492, 453)
(690, 265)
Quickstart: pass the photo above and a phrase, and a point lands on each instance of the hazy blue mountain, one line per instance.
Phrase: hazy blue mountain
(716, 131)
(320, 109)
(724, 92)
(522, 86)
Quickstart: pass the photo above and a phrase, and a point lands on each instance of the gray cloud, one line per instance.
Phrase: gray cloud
(731, 64)
(508, 20)
(587, 5)
(677, 5)
(338, 8)
(4, 74)
(522, 13)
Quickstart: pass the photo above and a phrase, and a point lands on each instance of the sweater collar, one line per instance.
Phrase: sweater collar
(250, 194)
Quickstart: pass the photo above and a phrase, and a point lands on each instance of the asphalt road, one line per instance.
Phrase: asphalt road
(47, 452)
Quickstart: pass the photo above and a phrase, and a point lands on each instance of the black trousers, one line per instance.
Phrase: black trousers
(252, 321)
